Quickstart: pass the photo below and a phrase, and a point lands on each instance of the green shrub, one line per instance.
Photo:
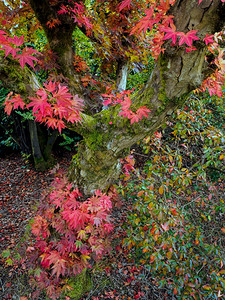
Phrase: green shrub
(176, 227)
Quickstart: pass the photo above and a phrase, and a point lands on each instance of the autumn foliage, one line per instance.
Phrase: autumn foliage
(55, 112)
(52, 105)
(70, 234)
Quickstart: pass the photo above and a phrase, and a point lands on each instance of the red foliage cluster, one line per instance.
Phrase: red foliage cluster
(77, 12)
(10, 46)
(52, 105)
(124, 100)
(68, 233)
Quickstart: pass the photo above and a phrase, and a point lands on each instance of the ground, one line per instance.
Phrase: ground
(115, 277)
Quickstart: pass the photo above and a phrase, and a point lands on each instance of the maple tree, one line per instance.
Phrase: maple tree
(120, 32)
(183, 37)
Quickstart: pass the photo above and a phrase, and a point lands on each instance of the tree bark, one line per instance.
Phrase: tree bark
(39, 161)
(59, 38)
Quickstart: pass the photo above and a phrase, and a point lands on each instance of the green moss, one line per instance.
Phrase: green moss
(163, 63)
(162, 96)
(42, 165)
(80, 284)
(95, 140)
(16, 77)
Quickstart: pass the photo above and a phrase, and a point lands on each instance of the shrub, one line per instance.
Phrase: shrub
(176, 225)
(68, 235)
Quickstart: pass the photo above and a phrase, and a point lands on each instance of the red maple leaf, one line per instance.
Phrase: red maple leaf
(13, 103)
(17, 41)
(62, 96)
(42, 93)
(26, 57)
(134, 118)
(189, 49)
(39, 104)
(167, 20)
(126, 103)
(126, 114)
(163, 6)
(10, 50)
(52, 23)
(208, 39)
(143, 112)
(188, 37)
(146, 22)
(59, 111)
(3, 38)
(59, 264)
(50, 87)
(2, 33)
(63, 10)
(18, 102)
(171, 33)
(74, 116)
(125, 3)
(59, 125)
(8, 107)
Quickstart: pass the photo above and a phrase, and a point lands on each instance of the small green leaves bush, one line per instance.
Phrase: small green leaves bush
(176, 227)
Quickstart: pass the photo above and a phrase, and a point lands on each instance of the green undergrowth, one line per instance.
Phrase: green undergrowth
(176, 227)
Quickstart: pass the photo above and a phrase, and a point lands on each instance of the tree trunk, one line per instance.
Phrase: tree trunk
(49, 145)
(39, 161)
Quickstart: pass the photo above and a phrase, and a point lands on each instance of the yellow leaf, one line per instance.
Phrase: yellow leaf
(155, 158)
(161, 190)
(151, 205)
(221, 156)
(139, 194)
(197, 242)
(204, 217)
(151, 188)
(85, 257)
(147, 140)
(206, 287)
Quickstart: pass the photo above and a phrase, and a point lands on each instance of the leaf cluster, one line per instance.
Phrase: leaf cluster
(68, 234)
(52, 105)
